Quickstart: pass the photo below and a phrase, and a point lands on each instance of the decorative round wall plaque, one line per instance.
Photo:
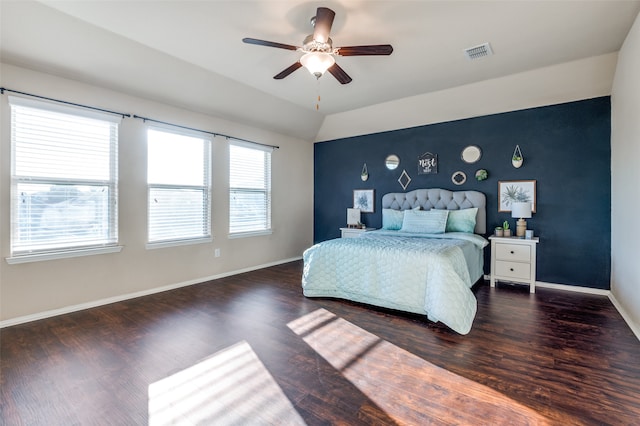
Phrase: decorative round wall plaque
(459, 178)
(481, 174)
(471, 154)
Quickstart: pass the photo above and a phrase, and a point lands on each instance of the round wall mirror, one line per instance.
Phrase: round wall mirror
(392, 162)
(471, 154)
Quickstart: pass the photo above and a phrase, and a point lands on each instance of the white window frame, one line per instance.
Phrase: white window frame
(57, 249)
(204, 187)
(265, 188)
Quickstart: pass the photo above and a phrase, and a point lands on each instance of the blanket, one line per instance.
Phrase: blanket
(423, 274)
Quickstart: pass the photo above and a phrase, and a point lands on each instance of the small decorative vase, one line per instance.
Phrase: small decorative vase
(499, 232)
(506, 232)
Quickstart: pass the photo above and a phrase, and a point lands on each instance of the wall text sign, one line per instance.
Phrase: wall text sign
(428, 164)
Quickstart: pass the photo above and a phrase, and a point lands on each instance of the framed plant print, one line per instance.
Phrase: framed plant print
(512, 191)
(363, 200)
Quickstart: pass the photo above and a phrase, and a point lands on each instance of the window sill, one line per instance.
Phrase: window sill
(38, 257)
(250, 234)
(174, 243)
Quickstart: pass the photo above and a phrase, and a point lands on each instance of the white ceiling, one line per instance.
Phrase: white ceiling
(190, 53)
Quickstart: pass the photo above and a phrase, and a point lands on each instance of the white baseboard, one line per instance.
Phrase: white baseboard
(574, 288)
(565, 287)
(635, 328)
(101, 302)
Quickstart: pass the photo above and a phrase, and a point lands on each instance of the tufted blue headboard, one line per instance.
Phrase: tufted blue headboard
(440, 199)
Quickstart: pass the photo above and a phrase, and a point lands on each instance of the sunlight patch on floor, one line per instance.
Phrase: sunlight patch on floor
(409, 389)
(230, 387)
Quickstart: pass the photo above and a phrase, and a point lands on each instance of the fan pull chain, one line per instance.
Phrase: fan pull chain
(318, 98)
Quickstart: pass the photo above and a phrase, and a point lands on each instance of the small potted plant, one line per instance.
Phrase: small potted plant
(505, 229)
(499, 232)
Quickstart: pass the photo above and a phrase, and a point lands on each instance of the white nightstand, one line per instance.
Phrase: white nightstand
(514, 259)
(354, 232)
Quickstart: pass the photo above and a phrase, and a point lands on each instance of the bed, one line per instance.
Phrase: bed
(424, 260)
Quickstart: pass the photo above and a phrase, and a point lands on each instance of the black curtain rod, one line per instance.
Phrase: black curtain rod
(203, 131)
(124, 115)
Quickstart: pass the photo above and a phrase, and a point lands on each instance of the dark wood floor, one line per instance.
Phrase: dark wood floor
(250, 349)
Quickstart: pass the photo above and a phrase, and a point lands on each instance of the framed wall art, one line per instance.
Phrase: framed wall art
(511, 191)
(363, 200)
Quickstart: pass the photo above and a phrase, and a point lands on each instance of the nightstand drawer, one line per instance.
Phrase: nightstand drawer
(513, 252)
(351, 233)
(513, 270)
(354, 232)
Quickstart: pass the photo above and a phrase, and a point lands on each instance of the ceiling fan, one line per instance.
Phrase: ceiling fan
(319, 51)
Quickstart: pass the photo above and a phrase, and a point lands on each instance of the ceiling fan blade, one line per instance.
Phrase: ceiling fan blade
(269, 43)
(323, 23)
(376, 49)
(339, 74)
(288, 71)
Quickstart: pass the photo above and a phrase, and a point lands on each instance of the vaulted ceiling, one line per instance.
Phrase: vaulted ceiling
(190, 53)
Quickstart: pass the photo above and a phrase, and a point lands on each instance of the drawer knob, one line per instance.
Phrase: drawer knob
(512, 251)
(511, 269)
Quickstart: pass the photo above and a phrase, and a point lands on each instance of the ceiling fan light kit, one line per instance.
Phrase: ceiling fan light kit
(319, 53)
(317, 62)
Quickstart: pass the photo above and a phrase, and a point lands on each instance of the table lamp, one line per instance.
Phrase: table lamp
(353, 218)
(521, 210)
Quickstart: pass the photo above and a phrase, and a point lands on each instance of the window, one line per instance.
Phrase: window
(63, 181)
(179, 186)
(249, 188)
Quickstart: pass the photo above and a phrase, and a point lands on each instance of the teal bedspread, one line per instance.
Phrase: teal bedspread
(430, 275)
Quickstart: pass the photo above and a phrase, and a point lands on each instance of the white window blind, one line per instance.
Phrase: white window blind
(64, 178)
(249, 188)
(179, 186)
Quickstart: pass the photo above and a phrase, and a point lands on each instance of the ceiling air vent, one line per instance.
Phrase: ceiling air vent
(478, 52)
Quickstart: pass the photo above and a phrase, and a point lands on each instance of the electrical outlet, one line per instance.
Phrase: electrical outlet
(216, 252)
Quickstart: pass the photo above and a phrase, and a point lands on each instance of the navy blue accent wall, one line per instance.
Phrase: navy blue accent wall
(566, 149)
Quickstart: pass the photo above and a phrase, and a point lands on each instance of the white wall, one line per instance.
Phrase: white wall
(30, 289)
(625, 176)
(571, 81)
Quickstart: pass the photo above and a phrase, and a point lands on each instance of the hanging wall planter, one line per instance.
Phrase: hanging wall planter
(364, 175)
(517, 159)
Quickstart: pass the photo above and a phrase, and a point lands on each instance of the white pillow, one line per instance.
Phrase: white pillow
(462, 220)
(392, 219)
(425, 222)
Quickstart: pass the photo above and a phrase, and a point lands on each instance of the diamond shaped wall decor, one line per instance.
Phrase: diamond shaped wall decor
(404, 180)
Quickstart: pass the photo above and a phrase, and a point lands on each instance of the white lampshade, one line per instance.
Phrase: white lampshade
(353, 216)
(317, 62)
(521, 209)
